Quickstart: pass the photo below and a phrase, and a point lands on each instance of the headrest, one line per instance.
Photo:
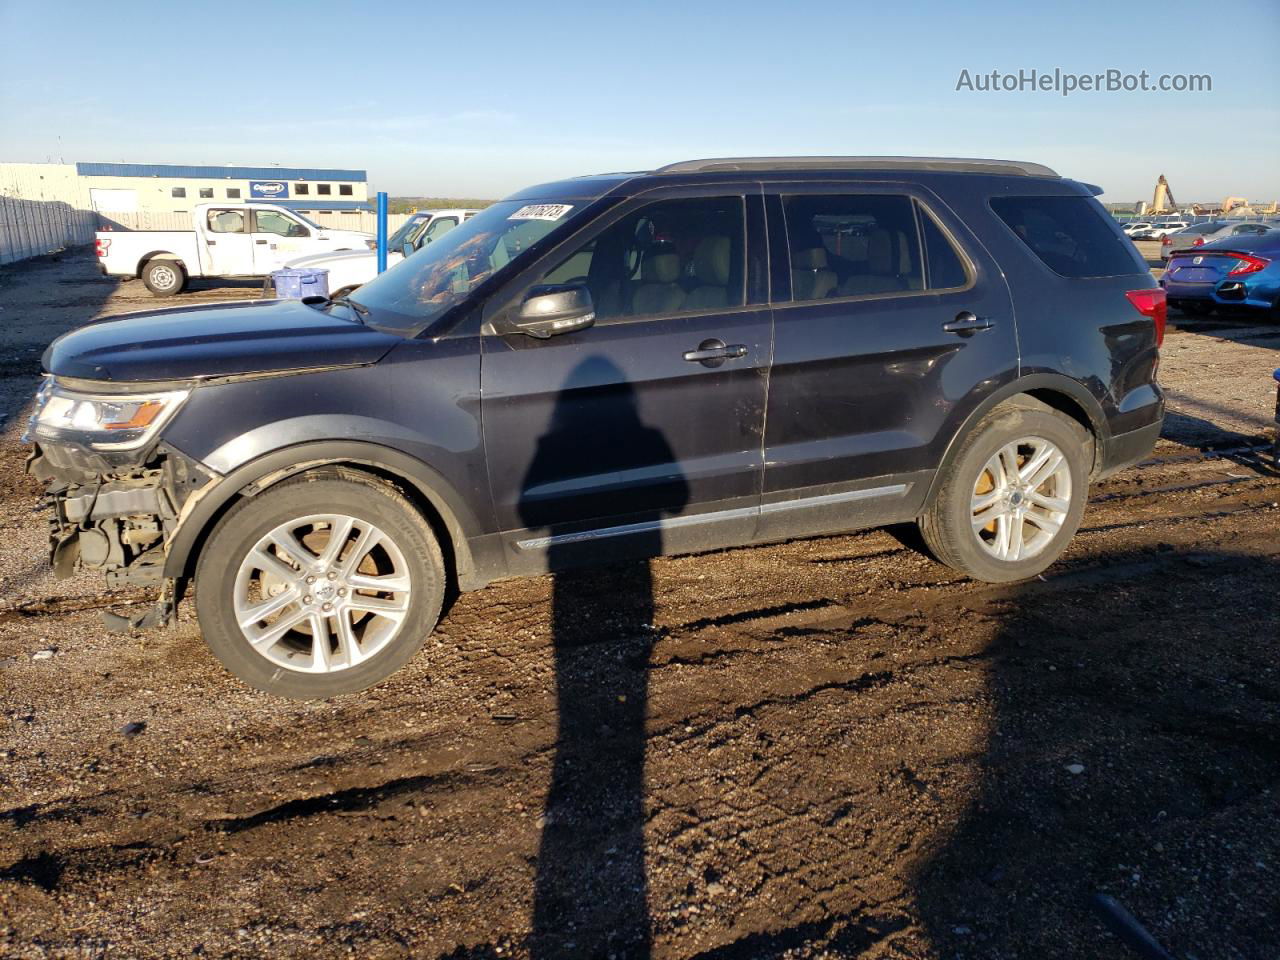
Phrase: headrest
(711, 261)
(815, 258)
(880, 252)
(661, 268)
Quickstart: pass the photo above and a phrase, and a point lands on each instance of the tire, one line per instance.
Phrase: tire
(231, 585)
(976, 475)
(164, 278)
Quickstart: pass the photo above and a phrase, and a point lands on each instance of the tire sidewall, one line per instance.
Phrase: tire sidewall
(252, 519)
(178, 273)
(957, 493)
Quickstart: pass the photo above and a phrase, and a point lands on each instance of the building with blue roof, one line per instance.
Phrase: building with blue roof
(177, 188)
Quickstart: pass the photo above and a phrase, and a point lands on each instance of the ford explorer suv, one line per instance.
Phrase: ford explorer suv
(707, 355)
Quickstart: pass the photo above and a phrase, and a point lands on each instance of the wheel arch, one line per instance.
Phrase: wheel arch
(1054, 391)
(444, 509)
(159, 255)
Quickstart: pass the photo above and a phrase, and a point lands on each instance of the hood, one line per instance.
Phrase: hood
(213, 341)
(318, 260)
(347, 258)
(353, 234)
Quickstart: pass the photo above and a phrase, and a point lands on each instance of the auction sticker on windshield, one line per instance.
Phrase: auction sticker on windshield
(541, 211)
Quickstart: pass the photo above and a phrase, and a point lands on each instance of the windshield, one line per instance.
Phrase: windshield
(441, 275)
(309, 223)
(397, 239)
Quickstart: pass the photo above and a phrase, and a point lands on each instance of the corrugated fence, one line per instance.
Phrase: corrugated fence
(29, 228)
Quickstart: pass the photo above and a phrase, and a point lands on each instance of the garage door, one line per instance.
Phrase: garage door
(113, 201)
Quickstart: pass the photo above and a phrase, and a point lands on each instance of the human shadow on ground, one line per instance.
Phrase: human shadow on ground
(591, 891)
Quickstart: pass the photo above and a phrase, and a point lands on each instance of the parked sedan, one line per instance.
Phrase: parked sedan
(1137, 228)
(1233, 272)
(1198, 234)
(1158, 230)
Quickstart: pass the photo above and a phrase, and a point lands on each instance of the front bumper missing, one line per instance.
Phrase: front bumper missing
(116, 519)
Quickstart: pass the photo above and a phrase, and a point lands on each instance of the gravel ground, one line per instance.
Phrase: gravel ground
(828, 748)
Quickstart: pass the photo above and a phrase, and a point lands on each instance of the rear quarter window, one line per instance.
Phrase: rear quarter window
(1069, 236)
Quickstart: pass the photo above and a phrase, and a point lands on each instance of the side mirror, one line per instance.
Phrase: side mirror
(555, 309)
(406, 248)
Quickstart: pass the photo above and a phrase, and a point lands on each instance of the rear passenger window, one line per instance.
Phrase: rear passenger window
(851, 245)
(1069, 235)
(943, 264)
(669, 257)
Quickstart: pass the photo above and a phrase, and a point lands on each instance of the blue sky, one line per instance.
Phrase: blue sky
(516, 93)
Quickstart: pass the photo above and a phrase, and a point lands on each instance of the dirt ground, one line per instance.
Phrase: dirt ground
(829, 748)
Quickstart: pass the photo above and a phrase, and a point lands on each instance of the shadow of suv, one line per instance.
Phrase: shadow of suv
(710, 354)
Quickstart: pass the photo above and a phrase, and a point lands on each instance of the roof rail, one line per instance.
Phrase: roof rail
(941, 164)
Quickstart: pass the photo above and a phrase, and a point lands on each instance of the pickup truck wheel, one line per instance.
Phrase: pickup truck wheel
(1012, 499)
(322, 585)
(164, 278)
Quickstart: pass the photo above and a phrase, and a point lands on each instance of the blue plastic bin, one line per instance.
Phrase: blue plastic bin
(296, 284)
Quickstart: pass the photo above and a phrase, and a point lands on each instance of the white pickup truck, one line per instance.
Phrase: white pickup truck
(225, 240)
(349, 270)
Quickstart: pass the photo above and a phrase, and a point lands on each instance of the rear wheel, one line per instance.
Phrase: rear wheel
(164, 278)
(1012, 499)
(319, 586)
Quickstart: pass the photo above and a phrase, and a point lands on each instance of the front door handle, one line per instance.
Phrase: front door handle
(712, 353)
(262, 242)
(966, 322)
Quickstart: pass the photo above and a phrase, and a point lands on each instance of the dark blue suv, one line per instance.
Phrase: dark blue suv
(711, 354)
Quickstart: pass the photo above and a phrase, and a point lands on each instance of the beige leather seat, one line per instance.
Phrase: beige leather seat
(659, 290)
(711, 262)
(810, 278)
(885, 254)
(226, 221)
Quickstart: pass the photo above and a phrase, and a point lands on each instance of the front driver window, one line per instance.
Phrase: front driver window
(672, 256)
(271, 222)
(438, 228)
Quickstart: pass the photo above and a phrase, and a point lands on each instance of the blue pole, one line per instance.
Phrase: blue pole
(382, 232)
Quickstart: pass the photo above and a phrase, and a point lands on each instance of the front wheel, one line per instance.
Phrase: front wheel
(1012, 499)
(322, 585)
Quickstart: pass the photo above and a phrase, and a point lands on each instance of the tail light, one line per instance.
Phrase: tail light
(1151, 303)
(100, 247)
(1248, 264)
(1166, 239)
(1199, 242)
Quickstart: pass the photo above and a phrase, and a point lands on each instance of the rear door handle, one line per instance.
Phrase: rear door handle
(966, 322)
(712, 353)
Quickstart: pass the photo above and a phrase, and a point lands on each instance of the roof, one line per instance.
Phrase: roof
(937, 164)
(226, 172)
(732, 168)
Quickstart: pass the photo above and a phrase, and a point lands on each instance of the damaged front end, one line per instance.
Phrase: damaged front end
(113, 517)
(115, 494)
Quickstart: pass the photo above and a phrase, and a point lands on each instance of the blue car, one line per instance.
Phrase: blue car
(1232, 272)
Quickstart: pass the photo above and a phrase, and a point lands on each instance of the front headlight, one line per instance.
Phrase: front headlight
(373, 244)
(103, 421)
